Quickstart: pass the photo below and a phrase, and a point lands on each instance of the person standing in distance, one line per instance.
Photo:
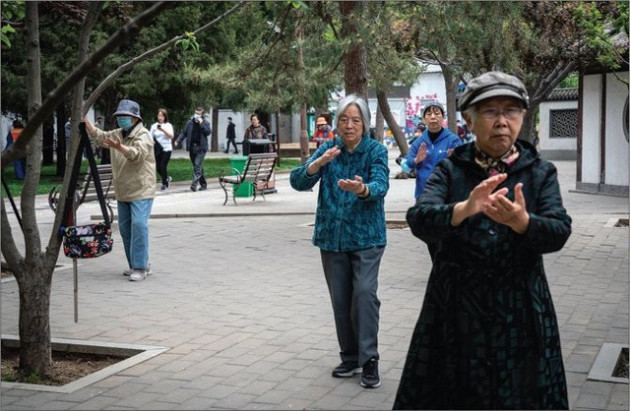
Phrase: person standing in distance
(196, 132)
(255, 129)
(162, 133)
(353, 178)
(231, 136)
(133, 169)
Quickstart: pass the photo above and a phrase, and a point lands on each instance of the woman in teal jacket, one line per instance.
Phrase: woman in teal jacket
(353, 178)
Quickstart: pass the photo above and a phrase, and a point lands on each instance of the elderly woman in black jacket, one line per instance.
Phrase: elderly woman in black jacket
(487, 336)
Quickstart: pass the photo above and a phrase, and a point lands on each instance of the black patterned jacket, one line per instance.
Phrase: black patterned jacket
(487, 336)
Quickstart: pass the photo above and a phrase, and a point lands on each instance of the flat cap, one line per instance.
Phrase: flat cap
(492, 84)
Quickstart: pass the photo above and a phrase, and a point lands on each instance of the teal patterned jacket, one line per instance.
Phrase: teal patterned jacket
(344, 222)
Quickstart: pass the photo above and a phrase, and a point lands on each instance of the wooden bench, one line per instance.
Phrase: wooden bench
(258, 171)
(87, 192)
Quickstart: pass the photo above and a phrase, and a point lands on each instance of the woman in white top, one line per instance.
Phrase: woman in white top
(162, 133)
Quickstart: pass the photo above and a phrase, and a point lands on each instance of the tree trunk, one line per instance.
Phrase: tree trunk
(355, 61)
(34, 279)
(399, 135)
(450, 84)
(35, 345)
(214, 143)
(528, 129)
(380, 124)
(305, 151)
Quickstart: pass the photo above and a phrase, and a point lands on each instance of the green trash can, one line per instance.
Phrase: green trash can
(238, 163)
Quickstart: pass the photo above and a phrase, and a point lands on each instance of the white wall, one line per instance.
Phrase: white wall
(616, 143)
(591, 115)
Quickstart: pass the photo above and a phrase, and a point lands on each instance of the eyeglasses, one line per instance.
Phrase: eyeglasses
(354, 120)
(492, 113)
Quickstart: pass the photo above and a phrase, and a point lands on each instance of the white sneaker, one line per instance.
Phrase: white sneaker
(128, 272)
(138, 275)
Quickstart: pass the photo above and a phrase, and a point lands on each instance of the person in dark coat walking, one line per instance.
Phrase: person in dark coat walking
(487, 336)
(231, 136)
(196, 132)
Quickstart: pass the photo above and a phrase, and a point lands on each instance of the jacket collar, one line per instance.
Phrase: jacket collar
(360, 148)
(464, 155)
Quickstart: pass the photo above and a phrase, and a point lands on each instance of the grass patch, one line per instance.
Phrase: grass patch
(178, 168)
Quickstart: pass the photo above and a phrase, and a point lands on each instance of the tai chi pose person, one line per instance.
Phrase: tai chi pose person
(133, 169)
(434, 144)
(349, 229)
(487, 336)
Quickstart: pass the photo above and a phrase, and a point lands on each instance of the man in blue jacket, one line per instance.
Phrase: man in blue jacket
(196, 132)
(435, 143)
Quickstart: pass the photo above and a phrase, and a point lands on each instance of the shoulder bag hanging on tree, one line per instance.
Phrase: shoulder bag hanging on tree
(91, 240)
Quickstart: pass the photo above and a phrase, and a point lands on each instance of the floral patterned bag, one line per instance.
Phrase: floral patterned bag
(87, 241)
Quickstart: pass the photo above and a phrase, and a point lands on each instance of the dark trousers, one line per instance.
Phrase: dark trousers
(161, 162)
(352, 279)
(233, 142)
(197, 154)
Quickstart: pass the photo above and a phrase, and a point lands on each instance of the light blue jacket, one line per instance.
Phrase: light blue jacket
(343, 221)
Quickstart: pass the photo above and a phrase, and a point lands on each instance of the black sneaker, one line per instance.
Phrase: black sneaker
(203, 188)
(193, 188)
(346, 369)
(369, 376)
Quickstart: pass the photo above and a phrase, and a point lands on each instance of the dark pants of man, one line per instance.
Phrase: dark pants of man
(233, 142)
(197, 154)
(352, 279)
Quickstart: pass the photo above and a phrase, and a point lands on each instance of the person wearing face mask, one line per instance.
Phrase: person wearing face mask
(133, 169)
(196, 132)
(434, 144)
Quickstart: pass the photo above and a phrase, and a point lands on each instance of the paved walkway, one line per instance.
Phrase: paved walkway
(239, 299)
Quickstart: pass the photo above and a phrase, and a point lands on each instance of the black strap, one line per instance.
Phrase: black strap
(15, 210)
(84, 144)
(95, 178)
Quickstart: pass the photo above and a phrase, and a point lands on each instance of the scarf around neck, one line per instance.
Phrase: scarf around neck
(494, 167)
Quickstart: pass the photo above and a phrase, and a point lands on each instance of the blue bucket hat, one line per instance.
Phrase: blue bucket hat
(128, 108)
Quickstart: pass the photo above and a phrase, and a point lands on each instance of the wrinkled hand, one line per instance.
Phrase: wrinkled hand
(354, 186)
(175, 143)
(482, 195)
(329, 155)
(478, 198)
(422, 153)
(449, 151)
(503, 211)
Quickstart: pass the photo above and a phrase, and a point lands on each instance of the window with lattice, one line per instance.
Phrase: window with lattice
(563, 123)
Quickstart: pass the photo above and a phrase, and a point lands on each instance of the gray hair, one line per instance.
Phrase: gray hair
(360, 103)
(471, 111)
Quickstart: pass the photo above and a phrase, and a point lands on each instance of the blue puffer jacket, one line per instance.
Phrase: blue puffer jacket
(435, 153)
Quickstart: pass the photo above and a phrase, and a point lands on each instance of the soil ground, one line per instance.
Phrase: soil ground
(67, 367)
